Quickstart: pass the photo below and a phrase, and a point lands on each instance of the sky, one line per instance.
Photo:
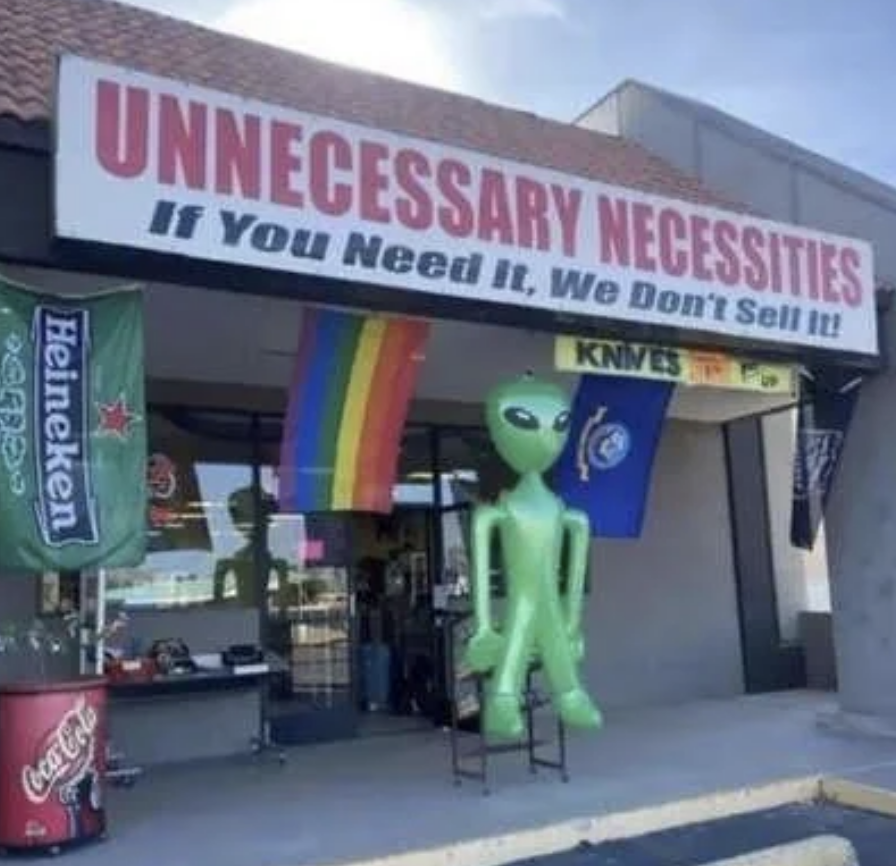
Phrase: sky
(818, 72)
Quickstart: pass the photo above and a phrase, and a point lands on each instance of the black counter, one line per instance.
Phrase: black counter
(185, 684)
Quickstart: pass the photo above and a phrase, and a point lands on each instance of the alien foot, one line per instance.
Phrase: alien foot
(503, 718)
(578, 711)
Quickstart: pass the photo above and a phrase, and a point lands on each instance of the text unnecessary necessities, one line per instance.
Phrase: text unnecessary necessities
(204, 174)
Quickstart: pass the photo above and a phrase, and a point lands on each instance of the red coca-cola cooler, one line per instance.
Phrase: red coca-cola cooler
(52, 763)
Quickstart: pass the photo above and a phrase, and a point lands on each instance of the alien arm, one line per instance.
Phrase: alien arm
(486, 519)
(579, 531)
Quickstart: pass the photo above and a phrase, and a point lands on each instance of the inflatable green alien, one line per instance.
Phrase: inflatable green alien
(528, 421)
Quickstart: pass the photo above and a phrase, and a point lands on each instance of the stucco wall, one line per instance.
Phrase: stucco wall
(662, 614)
(862, 533)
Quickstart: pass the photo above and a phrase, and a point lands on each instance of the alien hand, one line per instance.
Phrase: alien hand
(484, 650)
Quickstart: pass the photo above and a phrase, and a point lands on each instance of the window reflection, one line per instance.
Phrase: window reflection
(235, 571)
(199, 523)
(214, 539)
(469, 472)
(327, 585)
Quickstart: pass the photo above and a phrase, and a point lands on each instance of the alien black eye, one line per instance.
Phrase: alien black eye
(561, 422)
(521, 418)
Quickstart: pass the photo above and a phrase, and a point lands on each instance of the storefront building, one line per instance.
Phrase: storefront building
(844, 584)
(242, 186)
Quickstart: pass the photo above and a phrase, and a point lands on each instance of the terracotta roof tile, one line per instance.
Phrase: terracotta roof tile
(33, 33)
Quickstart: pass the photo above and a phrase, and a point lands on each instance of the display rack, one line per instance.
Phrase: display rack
(319, 655)
(474, 764)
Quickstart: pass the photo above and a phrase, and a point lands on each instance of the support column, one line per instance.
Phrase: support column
(861, 533)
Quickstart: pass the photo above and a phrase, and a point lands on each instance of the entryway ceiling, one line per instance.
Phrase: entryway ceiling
(228, 338)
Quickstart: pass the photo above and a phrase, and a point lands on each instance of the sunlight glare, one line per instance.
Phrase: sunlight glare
(393, 37)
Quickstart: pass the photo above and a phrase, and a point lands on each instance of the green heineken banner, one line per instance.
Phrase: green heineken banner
(72, 431)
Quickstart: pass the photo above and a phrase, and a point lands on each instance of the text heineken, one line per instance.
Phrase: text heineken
(72, 431)
(66, 511)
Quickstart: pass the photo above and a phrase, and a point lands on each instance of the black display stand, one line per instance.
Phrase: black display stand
(474, 764)
(170, 687)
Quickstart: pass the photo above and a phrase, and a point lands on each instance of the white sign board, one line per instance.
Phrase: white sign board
(154, 164)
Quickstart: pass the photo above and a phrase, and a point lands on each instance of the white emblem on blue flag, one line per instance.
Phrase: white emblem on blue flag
(608, 445)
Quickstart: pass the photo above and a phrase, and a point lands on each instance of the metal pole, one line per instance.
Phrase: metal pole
(83, 581)
(100, 618)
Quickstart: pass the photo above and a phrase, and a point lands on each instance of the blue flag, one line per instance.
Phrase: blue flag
(606, 467)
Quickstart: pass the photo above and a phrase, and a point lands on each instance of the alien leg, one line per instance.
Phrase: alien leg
(573, 704)
(503, 710)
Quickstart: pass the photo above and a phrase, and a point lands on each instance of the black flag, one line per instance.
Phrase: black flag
(828, 398)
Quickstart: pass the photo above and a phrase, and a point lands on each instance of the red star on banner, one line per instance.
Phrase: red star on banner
(116, 419)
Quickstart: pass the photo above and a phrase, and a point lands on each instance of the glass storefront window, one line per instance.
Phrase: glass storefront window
(210, 532)
(199, 522)
(333, 590)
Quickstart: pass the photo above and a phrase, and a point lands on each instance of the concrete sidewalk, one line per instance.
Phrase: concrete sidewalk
(384, 795)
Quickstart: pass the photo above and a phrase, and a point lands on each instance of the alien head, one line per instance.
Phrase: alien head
(244, 509)
(529, 423)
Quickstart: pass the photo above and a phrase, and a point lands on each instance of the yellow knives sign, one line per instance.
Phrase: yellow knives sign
(672, 364)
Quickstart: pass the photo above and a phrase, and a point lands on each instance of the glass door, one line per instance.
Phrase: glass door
(308, 620)
(394, 591)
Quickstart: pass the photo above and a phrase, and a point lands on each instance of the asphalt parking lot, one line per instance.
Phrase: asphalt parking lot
(873, 836)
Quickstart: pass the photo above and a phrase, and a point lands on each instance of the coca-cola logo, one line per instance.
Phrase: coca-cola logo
(65, 755)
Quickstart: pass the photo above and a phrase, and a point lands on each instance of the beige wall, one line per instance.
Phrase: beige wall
(662, 615)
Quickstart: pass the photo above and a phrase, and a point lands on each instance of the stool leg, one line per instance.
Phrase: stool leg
(561, 743)
(483, 739)
(530, 729)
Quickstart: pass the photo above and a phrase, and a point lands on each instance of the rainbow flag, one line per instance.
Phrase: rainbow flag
(353, 381)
